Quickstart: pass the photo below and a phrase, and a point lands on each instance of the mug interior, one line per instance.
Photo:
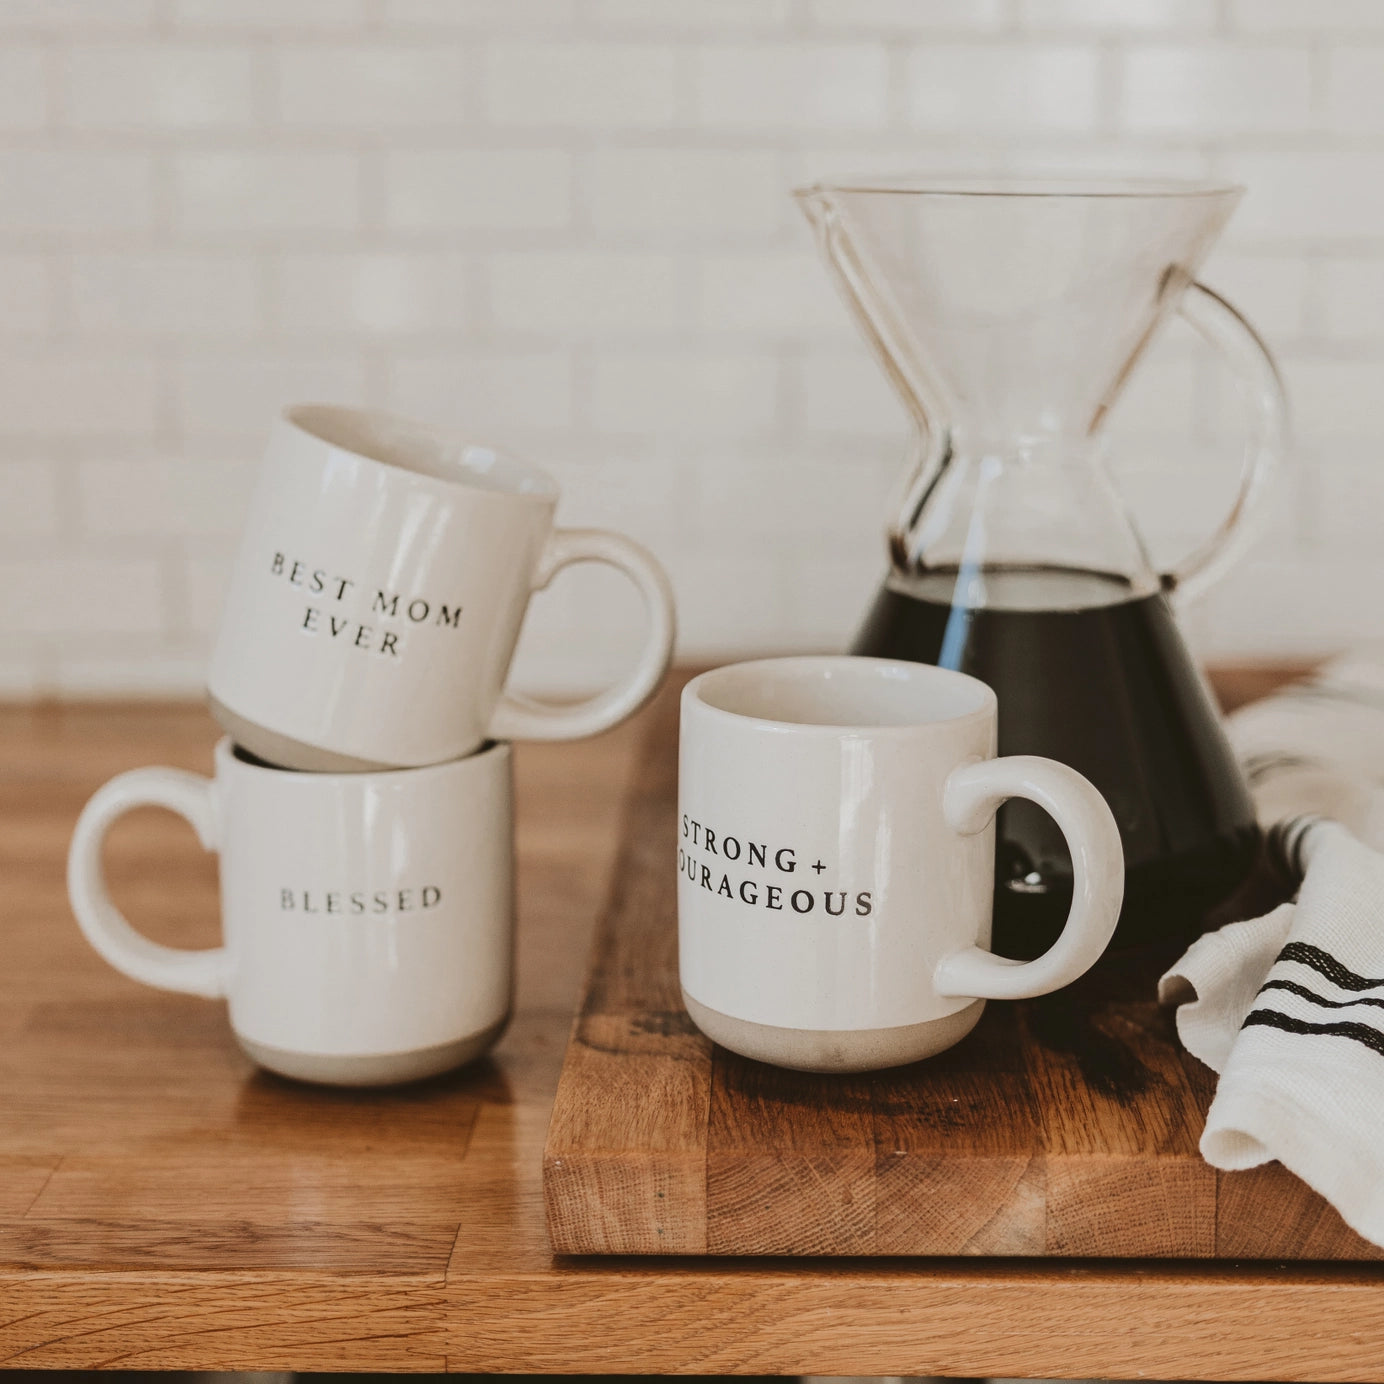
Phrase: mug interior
(394, 441)
(844, 691)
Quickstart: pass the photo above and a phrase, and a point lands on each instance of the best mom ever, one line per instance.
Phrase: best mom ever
(321, 619)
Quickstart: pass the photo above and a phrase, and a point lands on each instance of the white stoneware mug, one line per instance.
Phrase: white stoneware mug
(836, 861)
(367, 919)
(378, 594)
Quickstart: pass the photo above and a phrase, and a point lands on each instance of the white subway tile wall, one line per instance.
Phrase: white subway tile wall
(566, 225)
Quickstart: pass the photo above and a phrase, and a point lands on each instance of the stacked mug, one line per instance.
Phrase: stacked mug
(362, 803)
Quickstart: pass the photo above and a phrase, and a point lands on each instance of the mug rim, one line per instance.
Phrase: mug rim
(693, 695)
(296, 417)
(225, 756)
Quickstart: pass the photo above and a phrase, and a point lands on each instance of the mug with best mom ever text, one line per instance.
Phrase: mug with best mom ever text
(836, 851)
(378, 593)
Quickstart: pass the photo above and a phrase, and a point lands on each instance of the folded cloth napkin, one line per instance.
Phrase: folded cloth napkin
(1317, 746)
(1289, 1008)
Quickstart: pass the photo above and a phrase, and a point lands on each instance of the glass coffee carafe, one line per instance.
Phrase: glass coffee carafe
(1009, 316)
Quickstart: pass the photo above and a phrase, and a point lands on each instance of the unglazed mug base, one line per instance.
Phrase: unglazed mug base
(383, 1069)
(367, 919)
(282, 751)
(828, 1050)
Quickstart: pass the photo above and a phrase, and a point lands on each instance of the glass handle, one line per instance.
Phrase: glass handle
(1261, 387)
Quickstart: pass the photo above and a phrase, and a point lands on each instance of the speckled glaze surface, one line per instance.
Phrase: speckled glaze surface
(382, 578)
(835, 859)
(368, 919)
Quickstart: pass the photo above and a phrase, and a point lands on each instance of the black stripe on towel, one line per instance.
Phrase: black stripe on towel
(1327, 965)
(1359, 1033)
(1294, 988)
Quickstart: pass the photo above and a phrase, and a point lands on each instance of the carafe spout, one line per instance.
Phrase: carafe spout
(865, 292)
(815, 202)
(862, 288)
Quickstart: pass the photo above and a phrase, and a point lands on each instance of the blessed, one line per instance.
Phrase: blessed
(359, 900)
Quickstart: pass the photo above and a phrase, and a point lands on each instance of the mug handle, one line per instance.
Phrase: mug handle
(524, 718)
(102, 923)
(969, 800)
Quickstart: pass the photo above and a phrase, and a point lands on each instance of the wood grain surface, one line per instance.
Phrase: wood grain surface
(1065, 1126)
(163, 1205)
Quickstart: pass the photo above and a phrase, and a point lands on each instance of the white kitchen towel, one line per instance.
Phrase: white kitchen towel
(1317, 746)
(1289, 1009)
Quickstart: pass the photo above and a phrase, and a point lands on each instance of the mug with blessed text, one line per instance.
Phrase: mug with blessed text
(367, 919)
(836, 861)
(378, 593)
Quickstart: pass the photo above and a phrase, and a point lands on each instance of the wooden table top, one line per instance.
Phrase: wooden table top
(163, 1205)
(1063, 1126)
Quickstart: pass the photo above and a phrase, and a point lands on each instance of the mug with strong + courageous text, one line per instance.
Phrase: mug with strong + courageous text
(378, 593)
(836, 860)
(367, 918)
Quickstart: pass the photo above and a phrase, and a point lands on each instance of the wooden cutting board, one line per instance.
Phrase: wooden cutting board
(1063, 1126)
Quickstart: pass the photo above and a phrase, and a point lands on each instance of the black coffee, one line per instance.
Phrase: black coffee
(1102, 681)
